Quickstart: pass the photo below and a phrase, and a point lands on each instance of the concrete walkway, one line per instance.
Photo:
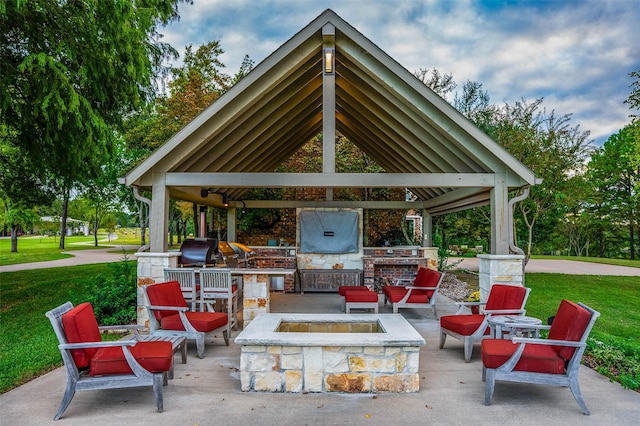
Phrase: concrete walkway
(207, 392)
(110, 254)
(573, 267)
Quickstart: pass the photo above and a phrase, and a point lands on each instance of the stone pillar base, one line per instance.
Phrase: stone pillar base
(499, 269)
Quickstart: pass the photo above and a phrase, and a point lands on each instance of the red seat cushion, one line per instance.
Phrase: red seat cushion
(417, 296)
(569, 324)
(80, 326)
(344, 288)
(360, 296)
(201, 321)
(155, 357)
(165, 294)
(464, 325)
(535, 358)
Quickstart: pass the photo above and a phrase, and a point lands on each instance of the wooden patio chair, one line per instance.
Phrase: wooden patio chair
(217, 284)
(421, 294)
(553, 361)
(170, 316)
(188, 284)
(91, 364)
(472, 328)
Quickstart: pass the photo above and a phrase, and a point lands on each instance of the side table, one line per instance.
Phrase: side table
(512, 324)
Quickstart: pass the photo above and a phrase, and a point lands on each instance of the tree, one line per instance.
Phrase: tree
(69, 72)
(21, 190)
(551, 148)
(615, 172)
(634, 97)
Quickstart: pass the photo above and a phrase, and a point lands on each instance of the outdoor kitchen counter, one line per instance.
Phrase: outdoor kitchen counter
(255, 289)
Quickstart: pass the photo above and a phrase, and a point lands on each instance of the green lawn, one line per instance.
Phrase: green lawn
(44, 248)
(28, 346)
(616, 298)
(618, 262)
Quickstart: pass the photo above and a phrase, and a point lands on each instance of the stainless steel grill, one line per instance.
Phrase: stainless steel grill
(199, 252)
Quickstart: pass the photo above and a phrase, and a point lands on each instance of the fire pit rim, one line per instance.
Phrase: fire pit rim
(261, 331)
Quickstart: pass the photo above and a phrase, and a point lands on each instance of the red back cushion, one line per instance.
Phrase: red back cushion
(80, 326)
(569, 324)
(166, 294)
(505, 297)
(427, 278)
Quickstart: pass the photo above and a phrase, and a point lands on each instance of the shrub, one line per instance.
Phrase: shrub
(114, 294)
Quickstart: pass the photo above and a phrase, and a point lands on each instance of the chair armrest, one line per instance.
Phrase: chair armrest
(399, 282)
(121, 327)
(462, 305)
(568, 343)
(168, 308)
(414, 287)
(504, 311)
(88, 345)
(470, 303)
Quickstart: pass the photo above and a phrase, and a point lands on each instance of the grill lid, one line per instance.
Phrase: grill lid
(199, 251)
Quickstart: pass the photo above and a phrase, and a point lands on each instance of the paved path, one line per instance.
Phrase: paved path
(572, 267)
(80, 257)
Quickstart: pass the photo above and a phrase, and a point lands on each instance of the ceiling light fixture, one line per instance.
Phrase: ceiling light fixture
(329, 61)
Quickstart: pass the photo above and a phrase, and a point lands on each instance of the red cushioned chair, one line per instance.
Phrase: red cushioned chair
(472, 328)
(553, 361)
(170, 316)
(92, 364)
(420, 294)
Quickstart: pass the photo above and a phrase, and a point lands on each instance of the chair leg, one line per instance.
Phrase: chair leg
(235, 312)
(468, 349)
(575, 390)
(490, 385)
(443, 337)
(69, 391)
(225, 334)
(157, 390)
(200, 345)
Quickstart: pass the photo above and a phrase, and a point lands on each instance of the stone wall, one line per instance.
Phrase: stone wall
(352, 369)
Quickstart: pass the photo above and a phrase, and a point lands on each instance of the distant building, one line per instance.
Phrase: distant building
(74, 226)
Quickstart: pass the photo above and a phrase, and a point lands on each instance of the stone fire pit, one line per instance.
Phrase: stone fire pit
(360, 353)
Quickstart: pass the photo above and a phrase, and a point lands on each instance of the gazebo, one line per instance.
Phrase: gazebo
(330, 78)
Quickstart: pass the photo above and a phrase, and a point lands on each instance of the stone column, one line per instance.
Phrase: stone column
(431, 254)
(499, 269)
(256, 296)
(150, 271)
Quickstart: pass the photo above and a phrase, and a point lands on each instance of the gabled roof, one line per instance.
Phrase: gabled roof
(417, 137)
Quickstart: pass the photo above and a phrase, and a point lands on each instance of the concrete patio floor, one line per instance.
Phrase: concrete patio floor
(207, 392)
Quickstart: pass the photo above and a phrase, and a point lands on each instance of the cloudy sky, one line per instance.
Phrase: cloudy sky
(576, 54)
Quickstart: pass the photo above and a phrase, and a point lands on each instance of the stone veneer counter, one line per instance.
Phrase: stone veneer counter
(353, 362)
